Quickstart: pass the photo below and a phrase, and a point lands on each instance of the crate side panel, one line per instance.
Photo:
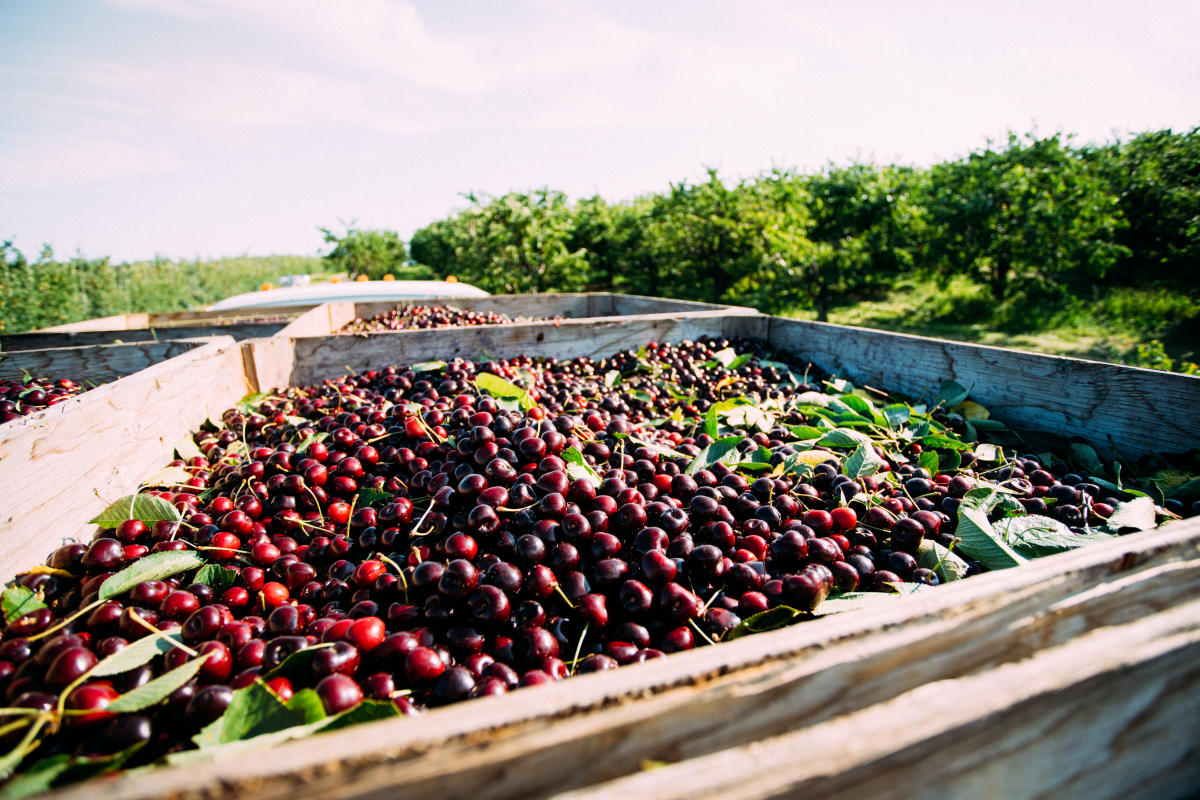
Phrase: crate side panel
(319, 320)
(1112, 714)
(113, 323)
(103, 442)
(1135, 409)
(98, 364)
(319, 358)
(642, 304)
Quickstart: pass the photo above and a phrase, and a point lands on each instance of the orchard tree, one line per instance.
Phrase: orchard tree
(373, 253)
(595, 233)
(433, 246)
(518, 243)
(828, 236)
(1157, 177)
(702, 239)
(1034, 215)
(859, 216)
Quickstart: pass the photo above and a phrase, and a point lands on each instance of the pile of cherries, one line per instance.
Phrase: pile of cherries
(441, 544)
(25, 396)
(412, 317)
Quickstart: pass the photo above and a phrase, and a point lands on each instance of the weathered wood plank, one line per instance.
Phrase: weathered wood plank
(113, 323)
(318, 358)
(320, 320)
(98, 364)
(1133, 409)
(104, 441)
(600, 727)
(625, 304)
(514, 305)
(1115, 713)
(532, 306)
(239, 331)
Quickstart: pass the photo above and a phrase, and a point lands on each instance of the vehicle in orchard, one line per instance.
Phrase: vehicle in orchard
(350, 292)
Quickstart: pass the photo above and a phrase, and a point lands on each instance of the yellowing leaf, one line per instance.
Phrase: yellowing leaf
(972, 410)
(814, 457)
(726, 381)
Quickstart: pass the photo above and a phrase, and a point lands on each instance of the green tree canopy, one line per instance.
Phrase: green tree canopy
(1032, 215)
(373, 253)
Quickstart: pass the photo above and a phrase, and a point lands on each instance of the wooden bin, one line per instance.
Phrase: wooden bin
(1076, 675)
(331, 317)
(238, 323)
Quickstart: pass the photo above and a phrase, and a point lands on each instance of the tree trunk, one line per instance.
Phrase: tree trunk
(1000, 279)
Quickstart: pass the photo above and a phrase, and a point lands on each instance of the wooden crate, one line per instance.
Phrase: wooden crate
(1077, 674)
(330, 318)
(240, 324)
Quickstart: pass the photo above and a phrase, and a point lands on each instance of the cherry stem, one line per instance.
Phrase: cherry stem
(25, 746)
(703, 635)
(563, 595)
(65, 622)
(161, 633)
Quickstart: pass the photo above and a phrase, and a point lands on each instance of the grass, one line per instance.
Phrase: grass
(1148, 326)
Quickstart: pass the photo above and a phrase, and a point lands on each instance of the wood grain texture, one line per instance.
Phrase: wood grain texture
(113, 323)
(625, 304)
(1136, 410)
(314, 359)
(97, 364)
(1114, 713)
(239, 331)
(320, 322)
(104, 441)
(691, 705)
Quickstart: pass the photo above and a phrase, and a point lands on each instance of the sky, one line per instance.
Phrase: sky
(209, 128)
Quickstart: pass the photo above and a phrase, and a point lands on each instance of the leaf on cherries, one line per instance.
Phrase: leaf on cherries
(155, 691)
(769, 620)
(1137, 514)
(145, 507)
(862, 462)
(980, 540)
(578, 468)
(373, 497)
(143, 651)
(217, 576)
(1034, 535)
(255, 710)
(366, 711)
(428, 366)
(18, 601)
(939, 558)
(150, 567)
(723, 450)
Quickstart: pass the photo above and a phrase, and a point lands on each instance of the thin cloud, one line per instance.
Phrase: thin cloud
(73, 160)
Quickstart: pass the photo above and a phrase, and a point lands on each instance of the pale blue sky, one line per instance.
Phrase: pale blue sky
(221, 127)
